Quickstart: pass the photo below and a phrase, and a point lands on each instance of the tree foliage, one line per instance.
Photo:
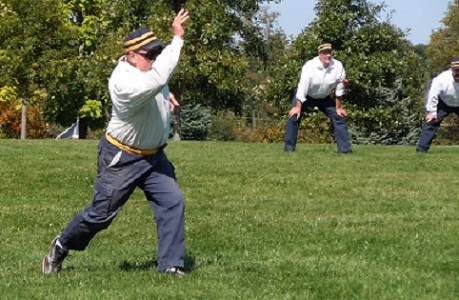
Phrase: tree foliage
(219, 36)
(196, 122)
(444, 44)
(31, 33)
(58, 55)
(262, 88)
(87, 36)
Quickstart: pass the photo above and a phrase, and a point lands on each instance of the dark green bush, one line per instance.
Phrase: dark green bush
(223, 125)
(195, 122)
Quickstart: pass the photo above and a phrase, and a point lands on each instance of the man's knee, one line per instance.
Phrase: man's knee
(176, 199)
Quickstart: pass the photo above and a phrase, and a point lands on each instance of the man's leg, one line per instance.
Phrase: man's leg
(430, 129)
(168, 204)
(339, 125)
(292, 127)
(117, 176)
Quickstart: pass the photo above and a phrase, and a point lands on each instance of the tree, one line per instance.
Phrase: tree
(30, 32)
(212, 64)
(261, 76)
(80, 87)
(443, 44)
(196, 122)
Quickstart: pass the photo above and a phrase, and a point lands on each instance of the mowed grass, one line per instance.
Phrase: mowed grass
(382, 223)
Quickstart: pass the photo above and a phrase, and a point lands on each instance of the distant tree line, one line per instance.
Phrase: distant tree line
(237, 64)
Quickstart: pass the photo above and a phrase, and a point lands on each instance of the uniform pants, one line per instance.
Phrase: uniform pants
(327, 106)
(430, 129)
(118, 174)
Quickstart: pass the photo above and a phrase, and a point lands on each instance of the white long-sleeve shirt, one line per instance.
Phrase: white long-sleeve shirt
(443, 86)
(318, 82)
(140, 111)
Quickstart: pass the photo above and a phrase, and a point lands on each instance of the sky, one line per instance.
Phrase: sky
(420, 16)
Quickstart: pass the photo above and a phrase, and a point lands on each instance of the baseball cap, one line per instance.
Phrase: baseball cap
(324, 46)
(141, 39)
(455, 63)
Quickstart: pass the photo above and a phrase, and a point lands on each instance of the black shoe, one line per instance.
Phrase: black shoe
(53, 260)
(421, 151)
(175, 271)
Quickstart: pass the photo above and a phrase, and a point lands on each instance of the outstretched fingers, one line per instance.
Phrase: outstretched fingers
(182, 16)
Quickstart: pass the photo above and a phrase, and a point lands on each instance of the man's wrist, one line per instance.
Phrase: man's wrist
(298, 103)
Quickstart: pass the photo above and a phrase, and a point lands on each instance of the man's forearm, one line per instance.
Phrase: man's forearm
(338, 102)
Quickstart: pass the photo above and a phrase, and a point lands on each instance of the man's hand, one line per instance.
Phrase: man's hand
(431, 117)
(177, 25)
(341, 112)
(339, 109)
(296, 111)
(173, 102)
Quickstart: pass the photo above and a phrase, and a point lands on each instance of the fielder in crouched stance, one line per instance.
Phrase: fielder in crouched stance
(131, 154)
(320, 77)
(442, 100)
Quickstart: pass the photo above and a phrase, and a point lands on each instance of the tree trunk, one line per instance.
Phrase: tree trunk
(254, 116)
(176, 124)
(24, 119)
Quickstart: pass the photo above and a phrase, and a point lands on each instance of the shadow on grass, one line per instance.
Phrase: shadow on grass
(129, 266)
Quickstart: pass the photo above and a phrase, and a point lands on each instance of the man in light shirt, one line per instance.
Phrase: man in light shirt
(321, 77)
(442, 100)
(131, 154)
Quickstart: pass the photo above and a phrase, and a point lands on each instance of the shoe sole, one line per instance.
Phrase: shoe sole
(45, 265)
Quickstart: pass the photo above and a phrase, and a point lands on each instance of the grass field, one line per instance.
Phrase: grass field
(382, 223)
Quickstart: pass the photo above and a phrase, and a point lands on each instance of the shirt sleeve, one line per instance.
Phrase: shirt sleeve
(432, 96)
(303, 85)
(137, 88)
(165, 63)
(340, 88)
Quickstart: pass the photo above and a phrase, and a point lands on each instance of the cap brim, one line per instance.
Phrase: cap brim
(153, 45)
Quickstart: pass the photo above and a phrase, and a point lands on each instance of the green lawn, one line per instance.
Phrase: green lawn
(382, 223)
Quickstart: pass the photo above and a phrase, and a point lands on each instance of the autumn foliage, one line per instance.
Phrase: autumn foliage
(10, 121)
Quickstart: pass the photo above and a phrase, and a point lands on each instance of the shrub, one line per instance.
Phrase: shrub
(10, 121)
(315, 128)
(448, 134)
(223, 126)
(394, 121)
(195, 122)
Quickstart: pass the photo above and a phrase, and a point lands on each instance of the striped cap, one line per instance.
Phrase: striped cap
(324, 46)
(141, 39)
(455, 63)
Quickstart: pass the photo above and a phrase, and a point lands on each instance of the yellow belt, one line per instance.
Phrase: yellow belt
(129, 149)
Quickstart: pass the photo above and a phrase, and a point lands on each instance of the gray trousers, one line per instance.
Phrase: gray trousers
(118, 174)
